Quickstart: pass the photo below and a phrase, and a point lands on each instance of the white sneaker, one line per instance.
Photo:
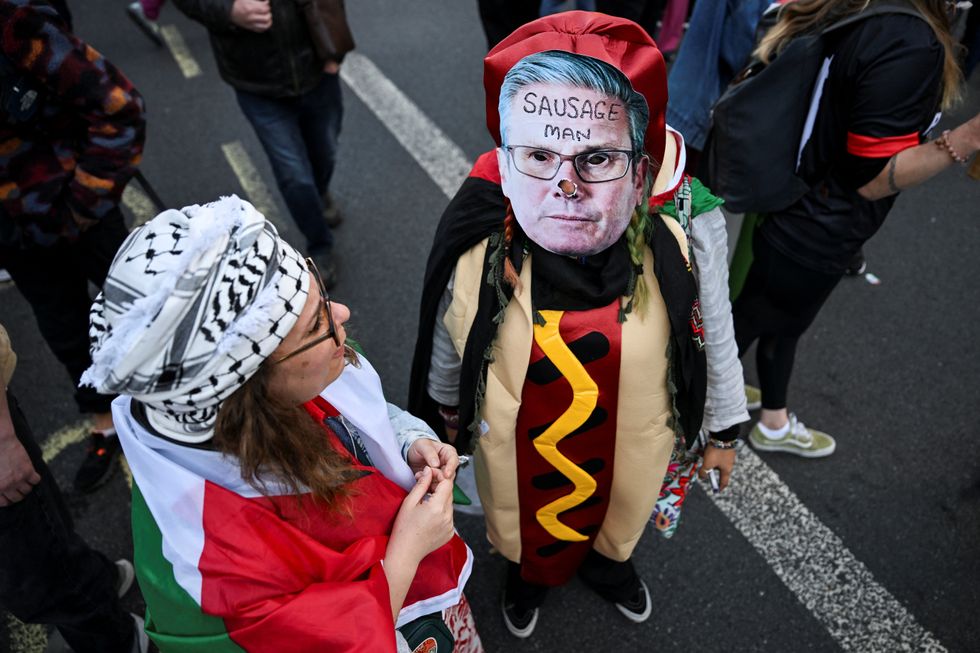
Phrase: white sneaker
(798, 440)
(5, 276)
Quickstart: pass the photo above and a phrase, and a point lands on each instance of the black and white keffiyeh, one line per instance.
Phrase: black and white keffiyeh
(195, 300)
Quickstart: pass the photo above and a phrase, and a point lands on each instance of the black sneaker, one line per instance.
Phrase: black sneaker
(638, 608)
(520, 623)
(99, 462)
(330, 212)
(328, 269)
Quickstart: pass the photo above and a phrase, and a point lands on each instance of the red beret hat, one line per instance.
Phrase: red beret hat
(617, 41)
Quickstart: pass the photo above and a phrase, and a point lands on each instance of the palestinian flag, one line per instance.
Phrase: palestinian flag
(225, 568)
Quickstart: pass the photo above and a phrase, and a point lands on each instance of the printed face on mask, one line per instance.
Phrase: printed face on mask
(567, 168)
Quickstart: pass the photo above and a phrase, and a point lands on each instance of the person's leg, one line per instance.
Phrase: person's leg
(612, 580)
(501, 17)
(779, 302)
(92, 256)
(774, 359)
(634, 10)
(549, 7)
(321, 115)
(54, 282)
(276, 123)
(520, 601)
(48, 574)
(672, 25)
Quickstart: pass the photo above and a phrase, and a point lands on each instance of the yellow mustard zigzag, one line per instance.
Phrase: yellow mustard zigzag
(585, 396)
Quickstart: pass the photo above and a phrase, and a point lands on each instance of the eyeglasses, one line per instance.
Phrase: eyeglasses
(331, 325)
(593, 167)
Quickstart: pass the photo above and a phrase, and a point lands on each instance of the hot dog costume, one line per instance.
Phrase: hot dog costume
(572, 396)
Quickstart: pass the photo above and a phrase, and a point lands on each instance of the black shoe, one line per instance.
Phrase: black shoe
(519, 622)
(328, 269)
(857, 266)
(638, 608)
(330, 212)
(99, 462)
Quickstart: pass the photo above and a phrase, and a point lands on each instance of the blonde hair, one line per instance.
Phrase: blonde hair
(802, 16)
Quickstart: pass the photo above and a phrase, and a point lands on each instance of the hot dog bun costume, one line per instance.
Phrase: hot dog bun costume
(571, 393)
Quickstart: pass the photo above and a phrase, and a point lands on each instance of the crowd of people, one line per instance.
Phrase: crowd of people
(579, 333)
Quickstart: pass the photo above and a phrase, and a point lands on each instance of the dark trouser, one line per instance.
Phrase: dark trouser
(54, 280)
(644, 12)
(612, 580)
(48, 574)
(299, 135)
(778, 303)
(501, 17)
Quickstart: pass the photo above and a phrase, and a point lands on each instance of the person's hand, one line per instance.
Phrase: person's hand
(331, 67)
(721, 459)
(425, 521)
(17, 475)
(253, 15)
(441, 457)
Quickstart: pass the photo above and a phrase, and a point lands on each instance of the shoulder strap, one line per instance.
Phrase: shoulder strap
(876, 9)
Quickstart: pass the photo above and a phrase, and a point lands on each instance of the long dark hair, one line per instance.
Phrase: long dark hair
(802, 16)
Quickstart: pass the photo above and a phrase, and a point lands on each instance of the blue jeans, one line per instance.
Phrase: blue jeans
(299, 135)
(48, 574)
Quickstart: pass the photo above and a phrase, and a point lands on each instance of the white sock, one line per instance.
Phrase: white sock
(774, 434)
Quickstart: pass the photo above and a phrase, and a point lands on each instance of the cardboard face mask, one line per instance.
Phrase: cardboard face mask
(567, 167)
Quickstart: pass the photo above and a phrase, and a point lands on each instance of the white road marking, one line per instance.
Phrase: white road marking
(138, 203)
(63, 438)
(181, 53)
(26, 638)
(252, 183)
(837, 588)
(441, 159)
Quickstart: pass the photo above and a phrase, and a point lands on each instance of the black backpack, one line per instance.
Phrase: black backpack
(754, 144)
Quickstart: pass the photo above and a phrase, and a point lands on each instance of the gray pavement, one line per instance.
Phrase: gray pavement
(892, 370)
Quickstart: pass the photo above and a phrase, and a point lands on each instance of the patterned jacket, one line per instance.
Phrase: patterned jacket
(79, 150)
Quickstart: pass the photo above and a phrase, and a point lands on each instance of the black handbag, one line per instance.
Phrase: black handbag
(428, 634)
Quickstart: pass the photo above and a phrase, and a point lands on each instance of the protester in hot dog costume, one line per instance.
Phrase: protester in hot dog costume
(275, 508)
(561, 326)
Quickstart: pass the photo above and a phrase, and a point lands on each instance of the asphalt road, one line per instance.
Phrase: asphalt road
(891, 370)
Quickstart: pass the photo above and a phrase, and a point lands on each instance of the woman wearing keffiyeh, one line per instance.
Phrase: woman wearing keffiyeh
(279, 502)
